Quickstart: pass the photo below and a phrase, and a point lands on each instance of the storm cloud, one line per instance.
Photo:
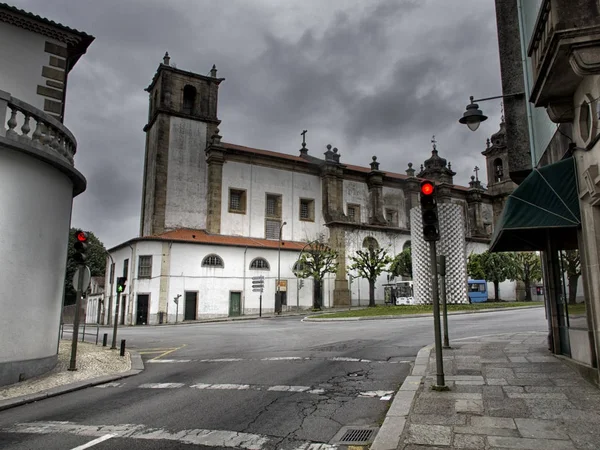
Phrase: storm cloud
(372, 78)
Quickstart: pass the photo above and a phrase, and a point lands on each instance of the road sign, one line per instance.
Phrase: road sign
(258, 283)
(87, 276)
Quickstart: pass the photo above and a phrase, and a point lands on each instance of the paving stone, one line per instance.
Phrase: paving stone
(529, 382)
(506, 407)
(571, 381)
(544, 395)
(513, 389)
(545, 429)
(451, 395)
(429, 434)
(425, 405)
(493, 422)
(439, 419)
(517, 359)
(464, 378)
(529, 444)
(538, 359)
(469, 383)
(496, 381)
(585, 401)
(470, 441)
(486, 431)
(498, 373)
(467, 388)
(474, 371)
(419, 447)
(493, 391)
(469, 406)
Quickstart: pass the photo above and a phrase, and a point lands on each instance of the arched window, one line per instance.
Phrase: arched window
(260, 264)
(212, 261)
(406, 245)
(189, 98)
(498, 170)
(370, 242)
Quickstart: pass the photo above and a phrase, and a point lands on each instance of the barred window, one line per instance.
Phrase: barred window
(212, 261)
(145, 266)
(353, 213)
(272, 229)
(391, 216)
(273, 206)
(307, 209)
(237, 201)
(260, 263)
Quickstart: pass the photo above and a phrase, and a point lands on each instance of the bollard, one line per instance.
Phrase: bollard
(122, 347)
(104, 339)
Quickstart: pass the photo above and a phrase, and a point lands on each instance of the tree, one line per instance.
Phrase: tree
(528, 269)
(572, 267)
(474, 268)
(316, 260)
(494, 267)
(401, 265)
(369, 264)
(96, 261)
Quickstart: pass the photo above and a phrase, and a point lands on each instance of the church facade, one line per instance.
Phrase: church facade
(216, 214)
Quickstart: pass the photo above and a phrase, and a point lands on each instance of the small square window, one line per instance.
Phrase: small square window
(145, 266)
(391, 216)
(273, 206)
(237, 201)
(307, 209)
(353, 213)
(272, 229)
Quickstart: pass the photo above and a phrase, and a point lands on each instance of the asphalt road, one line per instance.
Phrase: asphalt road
(276, 383)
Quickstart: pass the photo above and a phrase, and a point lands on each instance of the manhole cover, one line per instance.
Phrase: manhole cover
(355, 435)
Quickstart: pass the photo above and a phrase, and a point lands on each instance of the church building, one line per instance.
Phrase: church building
(216, 214)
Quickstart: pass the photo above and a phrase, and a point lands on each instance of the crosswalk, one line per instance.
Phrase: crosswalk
(383, 395)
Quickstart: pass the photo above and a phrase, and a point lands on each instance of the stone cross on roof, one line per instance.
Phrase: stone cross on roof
(434, 142)
(476, 170)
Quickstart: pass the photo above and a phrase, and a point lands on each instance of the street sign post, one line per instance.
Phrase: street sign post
(258, 285)
(87, 277)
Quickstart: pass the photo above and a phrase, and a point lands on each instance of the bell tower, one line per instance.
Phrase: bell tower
(499, 183)
(182, 116)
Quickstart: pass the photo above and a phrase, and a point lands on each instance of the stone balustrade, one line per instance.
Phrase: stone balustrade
(544, 30)
(29, 125)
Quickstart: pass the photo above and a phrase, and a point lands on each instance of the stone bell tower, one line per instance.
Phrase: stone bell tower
(499, 183)
(182, 117)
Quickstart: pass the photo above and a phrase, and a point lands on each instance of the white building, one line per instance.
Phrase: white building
(212, 213)
(37, 184)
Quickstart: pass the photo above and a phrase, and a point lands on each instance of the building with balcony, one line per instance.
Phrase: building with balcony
(38, 181)
(550, 64)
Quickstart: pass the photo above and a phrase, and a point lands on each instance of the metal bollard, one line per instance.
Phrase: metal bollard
(104, 339)
(122, 347)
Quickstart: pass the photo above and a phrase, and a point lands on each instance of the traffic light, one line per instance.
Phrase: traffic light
(121, 284)
(81, 245)
(429, 213)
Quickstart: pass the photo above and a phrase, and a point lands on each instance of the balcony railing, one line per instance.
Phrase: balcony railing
(542, 35)
(29, 125)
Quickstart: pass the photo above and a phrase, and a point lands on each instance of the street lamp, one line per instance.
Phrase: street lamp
(473, 116)
(277, 292)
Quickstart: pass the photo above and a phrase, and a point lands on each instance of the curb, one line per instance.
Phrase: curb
(388, 437)
(412, 316)
(137, 366)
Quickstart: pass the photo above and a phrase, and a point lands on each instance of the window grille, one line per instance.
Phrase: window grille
(212, 261)
(272, 229)
(145, 266)
(260, 263)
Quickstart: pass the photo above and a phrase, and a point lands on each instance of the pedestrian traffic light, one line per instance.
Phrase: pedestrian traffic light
(81, 245)
(121, 284)
(429, 213)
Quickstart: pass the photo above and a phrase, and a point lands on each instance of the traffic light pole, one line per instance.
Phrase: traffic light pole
(439, 361)
(114, 339)
(73, 362)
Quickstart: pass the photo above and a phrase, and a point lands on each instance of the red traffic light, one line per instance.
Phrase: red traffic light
(81, 236)
(427, 188)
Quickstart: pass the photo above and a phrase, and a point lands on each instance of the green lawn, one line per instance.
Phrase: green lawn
(578, 309)
(420, 309)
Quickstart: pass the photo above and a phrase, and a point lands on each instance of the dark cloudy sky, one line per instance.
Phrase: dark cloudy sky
(376, 77)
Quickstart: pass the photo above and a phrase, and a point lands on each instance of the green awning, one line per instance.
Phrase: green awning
(545, 205)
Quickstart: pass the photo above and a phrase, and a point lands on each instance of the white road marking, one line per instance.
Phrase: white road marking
(386, 397)
(222, 360)
(160, 385)
(289, 388)
(283, 358)
(375, 393)
(94, 442)
(106, 385)
(168, 361)
(208, 438)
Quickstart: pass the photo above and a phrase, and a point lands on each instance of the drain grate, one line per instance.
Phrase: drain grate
(355, 435)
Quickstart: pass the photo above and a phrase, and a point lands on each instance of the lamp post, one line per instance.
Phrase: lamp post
(473, 116)
(278, 292)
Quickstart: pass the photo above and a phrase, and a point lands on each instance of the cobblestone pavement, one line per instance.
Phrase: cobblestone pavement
(506, 392)
(92, 361)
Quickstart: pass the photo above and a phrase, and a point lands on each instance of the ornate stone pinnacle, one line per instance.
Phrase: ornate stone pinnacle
(328, 146)
(216, 138)
(487, 143)
(166, 59)
(335, 150)
(213, 71)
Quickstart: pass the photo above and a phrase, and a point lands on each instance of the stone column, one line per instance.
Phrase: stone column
(163, 293)
(215, 158)
(337, 241)
(375, 184)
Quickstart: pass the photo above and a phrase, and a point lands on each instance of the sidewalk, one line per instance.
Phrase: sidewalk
(506, 392)
(95, 365)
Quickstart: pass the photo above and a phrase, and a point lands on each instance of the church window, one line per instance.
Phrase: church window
(498, 170)
(353, 212)
(391, 216)
(212, 261)
(260, 264)
(272, 228)
(273, 206)
(145, 266)
(307, 209)
(189, 98)
(237, 201)
(370, 242)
